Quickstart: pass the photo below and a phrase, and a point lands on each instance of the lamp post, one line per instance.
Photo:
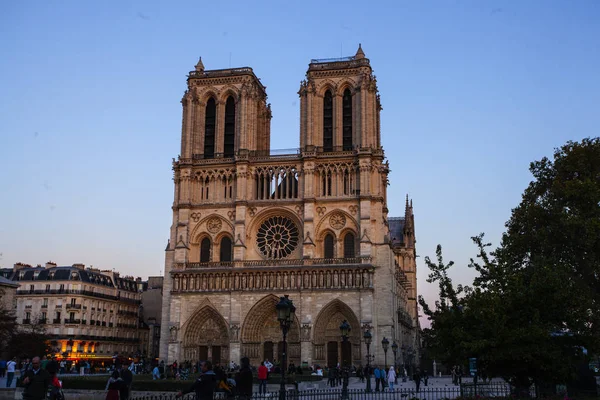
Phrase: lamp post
(345, 331)
(395, 350)
(385, 343)
(403, 348)
(285, 315)
(368, 338)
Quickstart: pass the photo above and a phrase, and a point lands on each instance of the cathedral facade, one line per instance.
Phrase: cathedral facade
(251, 224)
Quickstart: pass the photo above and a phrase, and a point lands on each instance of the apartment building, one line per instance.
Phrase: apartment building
(88, 313)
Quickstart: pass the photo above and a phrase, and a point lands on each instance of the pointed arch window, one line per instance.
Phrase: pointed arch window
(229, 137)
(209, 128)
(226, 249)
(328, 121)
(205, 250)
(328, 246)
(347, 120)
(349, 251)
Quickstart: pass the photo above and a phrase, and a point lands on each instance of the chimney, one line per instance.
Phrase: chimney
(50, 264)
(79, 266)
(19, 266)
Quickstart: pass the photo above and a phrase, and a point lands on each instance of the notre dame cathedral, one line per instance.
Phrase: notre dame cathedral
(251, 224)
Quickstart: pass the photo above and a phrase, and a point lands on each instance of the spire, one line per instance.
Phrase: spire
(406, 213)
(200, 65)
(359, 53)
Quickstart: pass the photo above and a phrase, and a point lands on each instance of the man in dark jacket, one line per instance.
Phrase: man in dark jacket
(36, 381)
(204, 387)
(243, 379)
(127, 377)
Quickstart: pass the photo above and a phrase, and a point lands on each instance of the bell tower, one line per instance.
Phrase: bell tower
(225, 112)
(339, 105)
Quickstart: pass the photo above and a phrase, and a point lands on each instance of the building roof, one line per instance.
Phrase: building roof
(7, 282)
(70, 273)
(397, 230)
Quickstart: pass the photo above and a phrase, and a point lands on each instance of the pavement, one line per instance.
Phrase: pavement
(14, 382)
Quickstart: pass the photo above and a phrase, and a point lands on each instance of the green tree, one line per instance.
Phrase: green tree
(535, 302)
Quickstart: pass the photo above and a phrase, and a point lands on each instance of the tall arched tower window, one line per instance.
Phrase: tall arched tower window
(225, 249)
(347, 120)
(328, 121)
(229, 137)
(209, 128)
(205, 250)
(328, 246)
(349, 245)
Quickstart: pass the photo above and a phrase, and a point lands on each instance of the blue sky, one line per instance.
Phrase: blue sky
(90, 117)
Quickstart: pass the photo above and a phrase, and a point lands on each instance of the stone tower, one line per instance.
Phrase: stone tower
(252, 224)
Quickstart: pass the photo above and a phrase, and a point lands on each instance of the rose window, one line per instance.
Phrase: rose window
(277, 237)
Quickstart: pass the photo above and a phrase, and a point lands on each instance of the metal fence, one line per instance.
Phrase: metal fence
(325, 394)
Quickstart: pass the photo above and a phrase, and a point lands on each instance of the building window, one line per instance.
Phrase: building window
(73, 302)
(47, 288)
(31, 288)
(62, 287)
(349, 245)
(328, 246)
(205, 250)
(27, 316)
(229, 137)
(45, 303)
(347, 120)
(209, 128)
(226, 249)
(328, 121)
(71, 316)
(277, 237)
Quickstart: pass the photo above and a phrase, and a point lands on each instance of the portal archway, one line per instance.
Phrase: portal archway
(328, 347)
(206, 337)
(261, 335)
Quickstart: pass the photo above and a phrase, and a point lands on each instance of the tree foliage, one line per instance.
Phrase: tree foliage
(24, 341)
(535, 303)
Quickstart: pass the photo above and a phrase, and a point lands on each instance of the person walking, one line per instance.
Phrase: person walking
(127, 376)
(36, 381)
(243, 380)
(115, 386)
(2, 368)
(10, 371)
(391, 378)
(204, 386)
(417, 379)
(262, 378)
(377, 374)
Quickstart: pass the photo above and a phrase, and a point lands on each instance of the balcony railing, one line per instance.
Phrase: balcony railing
(56, 321)
(89, 338)
(44, 305)
(81, 292)
(26, 321)
(42, 321)
(74, 306)
(128, 313)
(72, 321)
(277, 263)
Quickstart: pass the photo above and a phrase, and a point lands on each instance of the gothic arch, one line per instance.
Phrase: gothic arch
(205, 329)
(201, 229)
(325, 85)
(261, 326)
(324, 224)
(207, 93)
(345, 84)
(229, 91)
(326, 334)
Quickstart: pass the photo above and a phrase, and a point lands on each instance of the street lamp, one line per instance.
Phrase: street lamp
(285, 315)
(345, 330)
(385, 343)
(368, 338)
(395, 350)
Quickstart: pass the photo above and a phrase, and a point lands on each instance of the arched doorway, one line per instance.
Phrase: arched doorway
(328, 346)
(206, 337)
(261, 335)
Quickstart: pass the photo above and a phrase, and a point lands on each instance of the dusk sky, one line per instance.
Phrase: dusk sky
(90, 113)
